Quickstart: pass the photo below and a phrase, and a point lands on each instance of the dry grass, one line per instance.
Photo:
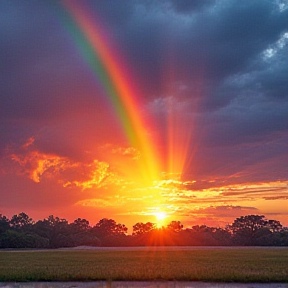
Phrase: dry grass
(221, 265)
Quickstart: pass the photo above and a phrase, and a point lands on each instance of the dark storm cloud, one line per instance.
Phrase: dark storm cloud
(39, 67)
(43, 80)
(225, 38)
(183, 6)
(230, 55)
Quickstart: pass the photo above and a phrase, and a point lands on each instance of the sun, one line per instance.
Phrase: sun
(160, 218)
(160, 215)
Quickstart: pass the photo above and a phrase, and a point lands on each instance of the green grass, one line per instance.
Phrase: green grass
(221, 265)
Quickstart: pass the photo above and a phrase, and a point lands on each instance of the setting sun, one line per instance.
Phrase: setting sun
(160, 219)
(160, 215)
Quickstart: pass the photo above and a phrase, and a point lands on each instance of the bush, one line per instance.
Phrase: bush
(13, 239)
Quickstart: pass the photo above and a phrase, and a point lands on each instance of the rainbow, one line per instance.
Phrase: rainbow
(105, 62)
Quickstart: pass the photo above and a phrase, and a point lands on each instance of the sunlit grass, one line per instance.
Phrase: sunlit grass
(221, 265)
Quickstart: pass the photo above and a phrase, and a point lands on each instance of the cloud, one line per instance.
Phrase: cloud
(183, 199)
(38, 165)
(212, 79)
(129, 152)
(277, 197)
(187, 7)
(110, 202)
(229, 211)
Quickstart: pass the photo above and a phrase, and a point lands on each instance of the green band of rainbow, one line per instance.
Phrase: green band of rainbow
(90, 39)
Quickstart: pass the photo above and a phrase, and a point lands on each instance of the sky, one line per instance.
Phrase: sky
(129, 109)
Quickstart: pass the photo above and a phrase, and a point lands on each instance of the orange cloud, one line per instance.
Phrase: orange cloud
(114, 201)
(98, 173)
(28, 143)
(39, 165)
(121, 194)
(130, 152)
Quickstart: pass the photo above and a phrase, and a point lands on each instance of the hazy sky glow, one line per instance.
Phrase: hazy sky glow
(132, 109)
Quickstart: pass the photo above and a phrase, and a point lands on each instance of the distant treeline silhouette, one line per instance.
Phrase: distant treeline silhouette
(22, 232)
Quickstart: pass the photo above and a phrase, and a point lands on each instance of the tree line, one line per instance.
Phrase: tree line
(53, 232)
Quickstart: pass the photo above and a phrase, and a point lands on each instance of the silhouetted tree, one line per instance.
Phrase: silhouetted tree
(175, 226)
(106, 227)
(250, 229)
(81, 224)
(54, 229)
(222, 236)
(22, 232)
(110, 233)
(4, 224)
(21, 221)
(142, 228)
(44, 229)
(15, 239)
(274, 226)
(81, 234)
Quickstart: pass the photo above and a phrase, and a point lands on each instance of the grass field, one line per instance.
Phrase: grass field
(221, 265)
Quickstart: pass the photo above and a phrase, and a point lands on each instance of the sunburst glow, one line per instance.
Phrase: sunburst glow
(161, 218)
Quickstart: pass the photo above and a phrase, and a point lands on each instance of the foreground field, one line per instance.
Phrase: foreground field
(193, 264)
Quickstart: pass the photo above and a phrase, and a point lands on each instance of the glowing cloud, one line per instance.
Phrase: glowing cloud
(39, 165)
